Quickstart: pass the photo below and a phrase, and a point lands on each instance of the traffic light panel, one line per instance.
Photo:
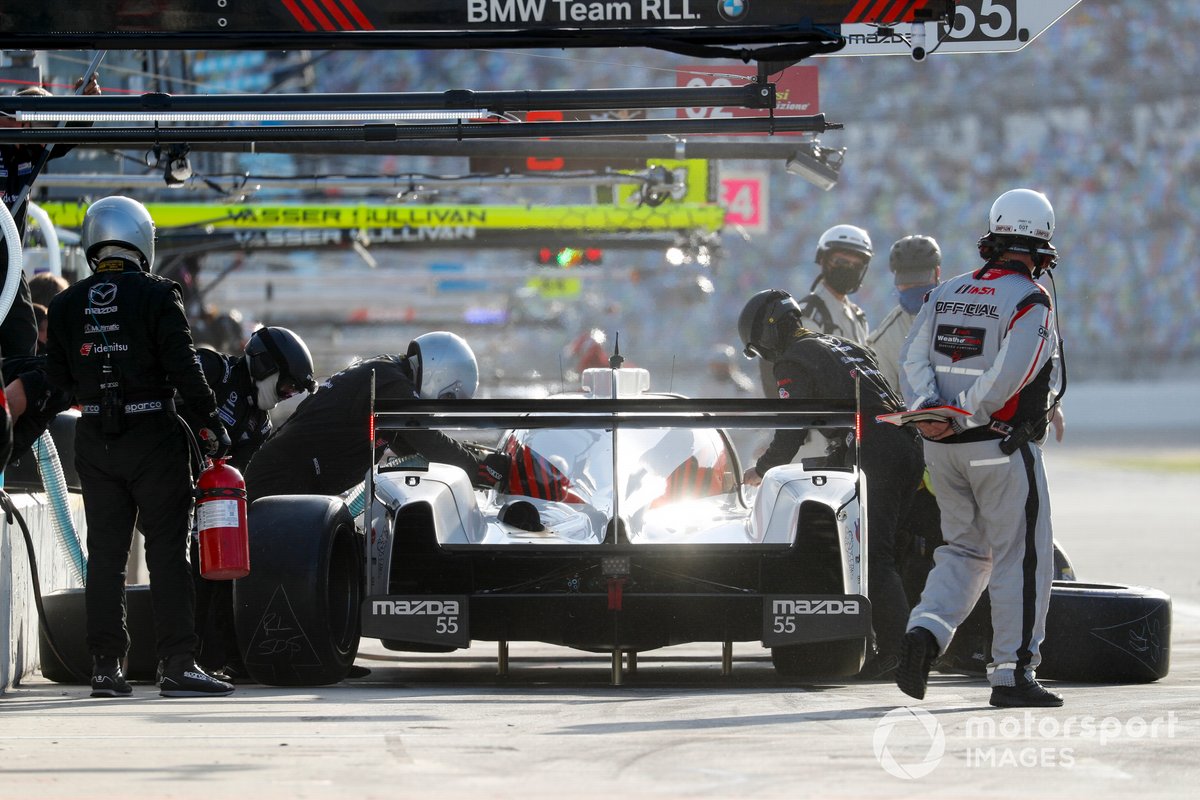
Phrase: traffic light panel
(566, 257)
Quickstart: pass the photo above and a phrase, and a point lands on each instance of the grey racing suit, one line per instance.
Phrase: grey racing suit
(986, 342)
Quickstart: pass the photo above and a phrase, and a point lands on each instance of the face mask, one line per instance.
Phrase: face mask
(912, 298)
(844, 280)
(266, 396)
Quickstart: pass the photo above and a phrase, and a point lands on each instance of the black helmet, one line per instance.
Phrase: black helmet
(915, 259)
(759, 323)
(279, 351)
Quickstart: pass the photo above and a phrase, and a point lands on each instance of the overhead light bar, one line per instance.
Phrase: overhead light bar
(250, 116)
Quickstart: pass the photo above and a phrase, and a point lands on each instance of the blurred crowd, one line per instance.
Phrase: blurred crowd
(1098, 113)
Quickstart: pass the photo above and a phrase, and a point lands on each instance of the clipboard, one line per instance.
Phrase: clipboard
(931, 414)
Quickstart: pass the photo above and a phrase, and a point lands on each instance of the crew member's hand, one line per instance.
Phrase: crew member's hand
(935, 430)
(751, 477)
(214, 439)
(93, 85)
(1059, 422)
(493, 470)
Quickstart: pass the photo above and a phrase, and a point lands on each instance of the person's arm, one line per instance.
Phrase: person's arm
(179, 355)
(918, 381)
(58, 370)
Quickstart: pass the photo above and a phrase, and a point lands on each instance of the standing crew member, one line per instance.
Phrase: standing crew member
(916, 264)
(119, 342)
(276, 365)
(987, 342)
(322, 448)
(812, 365)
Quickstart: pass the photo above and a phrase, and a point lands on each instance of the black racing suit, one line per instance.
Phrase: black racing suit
(324, 446)
(120, 344)
(820, 366)
(248, 427)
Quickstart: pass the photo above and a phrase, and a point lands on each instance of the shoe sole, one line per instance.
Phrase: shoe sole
(110, 693)
(192, 693)
(1019, 704)
(912, 676)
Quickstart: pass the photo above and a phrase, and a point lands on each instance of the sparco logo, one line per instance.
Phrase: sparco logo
(413, 608)
(815, 607)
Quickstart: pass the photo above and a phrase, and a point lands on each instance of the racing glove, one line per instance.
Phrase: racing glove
(493, 470)
(214, 439)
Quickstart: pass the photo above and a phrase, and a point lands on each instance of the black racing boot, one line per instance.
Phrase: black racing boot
(918, 649)
(107, 678)
(180, 677)
(1026, 694)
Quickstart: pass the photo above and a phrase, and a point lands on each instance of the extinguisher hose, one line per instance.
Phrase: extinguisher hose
(11, 511)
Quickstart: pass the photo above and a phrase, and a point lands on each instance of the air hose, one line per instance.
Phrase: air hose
(16, 261)
(55, 483)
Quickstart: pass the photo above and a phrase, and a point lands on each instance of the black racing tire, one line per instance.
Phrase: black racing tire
(819, 660)
(1106, 633)
(1095, 633)
(66, 617)
(297, 613)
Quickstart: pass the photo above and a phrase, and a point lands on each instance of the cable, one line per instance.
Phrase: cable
(43, 622)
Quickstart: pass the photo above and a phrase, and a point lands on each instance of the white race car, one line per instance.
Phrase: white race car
(621, 527)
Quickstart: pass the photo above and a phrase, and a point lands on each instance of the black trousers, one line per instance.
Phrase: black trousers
(894, 464)
(142, 475)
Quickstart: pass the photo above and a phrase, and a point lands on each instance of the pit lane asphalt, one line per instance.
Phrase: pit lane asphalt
(448, 727)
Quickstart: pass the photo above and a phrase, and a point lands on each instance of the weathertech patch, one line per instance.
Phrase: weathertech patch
(958, 342)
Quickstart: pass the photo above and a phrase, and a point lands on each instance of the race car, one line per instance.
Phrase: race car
(621, 527)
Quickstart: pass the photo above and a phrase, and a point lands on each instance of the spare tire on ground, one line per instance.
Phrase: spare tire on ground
(66, 616)
(1095, 633)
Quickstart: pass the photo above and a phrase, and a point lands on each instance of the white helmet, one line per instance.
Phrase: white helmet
(444, 366)
(844, 278)
(118, 222)
(1022, 221)
(1022, 212)
(844, 237)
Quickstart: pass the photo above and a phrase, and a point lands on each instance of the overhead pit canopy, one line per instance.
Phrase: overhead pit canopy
(792, 29)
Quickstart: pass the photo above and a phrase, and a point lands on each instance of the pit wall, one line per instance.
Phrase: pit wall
(19, 655)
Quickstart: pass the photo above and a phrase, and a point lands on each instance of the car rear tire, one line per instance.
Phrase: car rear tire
(297, 612)
(66, 617)
(1095, 633)
(820, 659)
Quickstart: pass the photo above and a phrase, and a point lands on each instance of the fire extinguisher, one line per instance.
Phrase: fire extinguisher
(221, 521)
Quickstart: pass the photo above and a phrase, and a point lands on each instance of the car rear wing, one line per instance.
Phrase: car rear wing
(641, 412)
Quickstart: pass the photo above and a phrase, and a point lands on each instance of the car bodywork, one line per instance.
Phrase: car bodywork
(622, 526)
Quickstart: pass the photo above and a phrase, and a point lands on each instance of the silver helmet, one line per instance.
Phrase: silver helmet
(119, 222)
(444, 366)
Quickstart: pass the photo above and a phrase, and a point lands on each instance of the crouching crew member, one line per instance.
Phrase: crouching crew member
(812, 365)
(275, 366)
(323, 447)
(118, 341)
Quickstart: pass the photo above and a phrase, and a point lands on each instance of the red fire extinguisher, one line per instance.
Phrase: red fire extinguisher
(221, 521)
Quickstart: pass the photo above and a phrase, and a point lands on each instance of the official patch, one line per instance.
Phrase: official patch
(958, 342)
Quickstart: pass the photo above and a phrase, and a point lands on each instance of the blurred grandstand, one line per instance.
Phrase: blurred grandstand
(1097, 112)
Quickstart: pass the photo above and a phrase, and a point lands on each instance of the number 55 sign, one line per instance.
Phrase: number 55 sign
(979, 26)
(744, 197)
